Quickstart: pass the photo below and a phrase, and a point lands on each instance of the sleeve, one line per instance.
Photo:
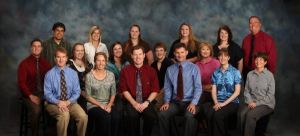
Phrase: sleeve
(49, 89)
(113, 85)
(88, 87)
(197, 85)
(214, 78)
(239, 52)
(155, 83)
(168, 87)
(22, 77)
(270, 92)
(105, 50)
(75, 93)
(122, 84)
(247, 95)
(272, 54)
(237, 77)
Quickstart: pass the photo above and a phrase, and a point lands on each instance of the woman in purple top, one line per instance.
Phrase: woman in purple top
(207, 65)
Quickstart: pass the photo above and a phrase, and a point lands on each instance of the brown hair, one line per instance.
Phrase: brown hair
(62, 50)
(128, 44)
(137, 48)
(84, 58)
(160, 45)
(228, 30)
(192, 39)
(111, 53)
(204, 44)
(223, 51)
(261, 55)
(179, 45)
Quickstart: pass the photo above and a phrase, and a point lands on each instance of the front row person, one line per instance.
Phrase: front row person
(100, 93)
(182, 90)
(259, 95)
(226, 84)
(31, 73)
(61, 89)
(139, 84)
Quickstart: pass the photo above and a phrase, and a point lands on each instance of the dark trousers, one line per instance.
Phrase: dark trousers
(100, 121)
(133, 118)
(217, 120)
(247, 118)
(117, 116)
(34, 115)
(166, 119)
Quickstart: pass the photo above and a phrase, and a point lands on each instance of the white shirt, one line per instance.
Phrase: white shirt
(90, 51)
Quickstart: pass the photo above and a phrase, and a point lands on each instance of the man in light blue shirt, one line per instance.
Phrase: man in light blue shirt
(182, 92)
(61, 90)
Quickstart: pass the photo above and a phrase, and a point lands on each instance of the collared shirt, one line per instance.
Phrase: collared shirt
(225, 82)
(100, 90)
(207, 68)
(90, 51)
(113, 68)
(192, 87)
(52, 89)
(27, 74)
(260, 88)
(262, 43)
(49, 47)
(162, 71)
(148, 77)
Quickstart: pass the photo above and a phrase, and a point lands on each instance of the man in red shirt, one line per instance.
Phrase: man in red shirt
(258, 41)
(139, 84)
(31, 73)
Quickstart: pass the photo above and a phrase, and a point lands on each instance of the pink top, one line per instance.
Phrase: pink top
(207, 67)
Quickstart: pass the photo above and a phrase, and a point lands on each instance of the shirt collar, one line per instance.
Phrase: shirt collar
(183, 64)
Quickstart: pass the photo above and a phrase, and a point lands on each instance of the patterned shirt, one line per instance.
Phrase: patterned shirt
(225, 82)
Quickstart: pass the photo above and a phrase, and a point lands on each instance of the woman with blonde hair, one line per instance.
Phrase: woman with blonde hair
(94, 44)
(186, 37)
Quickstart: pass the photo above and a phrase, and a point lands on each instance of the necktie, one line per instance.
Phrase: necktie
(139, 94)
(251, 52)
(63, 87)
(39, 90)
(179, 84)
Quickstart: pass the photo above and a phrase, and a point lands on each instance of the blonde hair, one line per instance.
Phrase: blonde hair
(204, 44)
(192, 39)
(92, 30)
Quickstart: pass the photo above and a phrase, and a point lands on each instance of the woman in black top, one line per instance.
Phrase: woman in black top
(82, 67)
(224, 40)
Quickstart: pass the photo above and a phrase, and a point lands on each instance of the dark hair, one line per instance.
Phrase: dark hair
(137, 48)
(111, 53)
(128, 44)
(35, 40)
(99, 54)
(84, 58)
(60, 49)
(261, 55)
(160, 45)
(228, 30)
(254, 17)
(223, 51)
(179, 45)
(58, 24)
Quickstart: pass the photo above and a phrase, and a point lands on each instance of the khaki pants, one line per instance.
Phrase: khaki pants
(75, 111)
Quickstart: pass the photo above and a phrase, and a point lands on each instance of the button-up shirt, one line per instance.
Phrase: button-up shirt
(225, 82)
(52, 84)
(192, 88)
(260, 88)
(27, 74)
(148, 77)
(90, 51)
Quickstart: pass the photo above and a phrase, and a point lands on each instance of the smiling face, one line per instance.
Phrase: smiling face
(78, 51)
(134, 32)
(184, 31)
(224, 35)
(205, 52)
(223, 58)
(100, 62)
(61, 59)
(180, 54)
(254, 25)
(138, 57)
(160, 53)
(117, 50)
(58, 33)
(96, 35)
(36, 48)
(260, 63)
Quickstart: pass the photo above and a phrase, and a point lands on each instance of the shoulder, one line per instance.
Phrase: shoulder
(103, 44)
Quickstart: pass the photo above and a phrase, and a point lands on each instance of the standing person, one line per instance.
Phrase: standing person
(259, 95)
(62, 89)
(117, 62)
(160, 66)
(56, 41)
(100, 93)
(139, 84)
(134, 40)
(187, 37)
(79, 63)
(226, 86)
(224, 40)
(31, 73)
(94, 44)
(182, 93)
(258, 41)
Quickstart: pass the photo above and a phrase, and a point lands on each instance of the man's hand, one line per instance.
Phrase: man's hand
(137, 106)
(36, 100)
(164, 107)
(144, 105)
(252, 105)
(192, 108)
(63, 106)
(217, 107)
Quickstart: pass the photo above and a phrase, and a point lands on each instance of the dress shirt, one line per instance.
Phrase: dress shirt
(52, 85)
(27, 74)
(225, 82)
(90, 51)
(260, 88)
(148, 77)
(192, 87)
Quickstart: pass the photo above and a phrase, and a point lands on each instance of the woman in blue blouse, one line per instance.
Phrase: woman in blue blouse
(226, 84)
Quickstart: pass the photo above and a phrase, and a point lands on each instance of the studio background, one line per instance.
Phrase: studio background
(23, 20)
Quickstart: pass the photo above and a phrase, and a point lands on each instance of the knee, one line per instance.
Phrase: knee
(63, 116)
(83, 117)
(188, 115)
(163, 115)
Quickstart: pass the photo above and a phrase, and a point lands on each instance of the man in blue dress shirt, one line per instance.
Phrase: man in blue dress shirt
(61, 90)
(182, 92)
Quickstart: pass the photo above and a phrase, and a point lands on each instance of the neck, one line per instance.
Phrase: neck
(117, 59)
(138, 65)
(259, 70)
(224, 66)
(185, 38)
(161, 59)
(224, 42)
(99, 70)
(57, 40)
(36, 56)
